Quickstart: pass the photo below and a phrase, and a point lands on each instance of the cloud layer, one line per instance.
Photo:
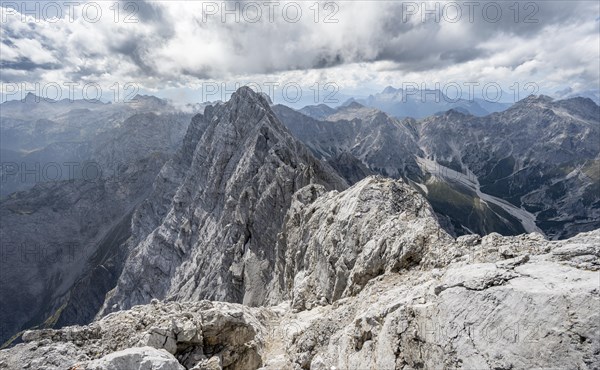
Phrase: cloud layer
(162, 45)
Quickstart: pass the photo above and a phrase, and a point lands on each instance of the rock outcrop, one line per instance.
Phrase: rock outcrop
(140, 358)
(196, 335)
(528, 311)
(334, 243)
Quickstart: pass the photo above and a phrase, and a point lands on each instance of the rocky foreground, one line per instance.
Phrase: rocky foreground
(365, 279)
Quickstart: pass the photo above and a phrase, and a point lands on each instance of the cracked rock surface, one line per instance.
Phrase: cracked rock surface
(335, 243)
(192, 335)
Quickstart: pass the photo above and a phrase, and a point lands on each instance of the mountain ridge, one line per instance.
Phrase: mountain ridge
(451, 138)
(254, 208)
(236, 161)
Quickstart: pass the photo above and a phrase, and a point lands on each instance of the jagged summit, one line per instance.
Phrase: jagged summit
(246, 93)
(243, 99)
(455, 112)
(352, 105)
(31, 97)
(535, 99)
(390, 90)
(210, 228)
(348, 238)
(320, 112)
(246, 108)
(579, 106)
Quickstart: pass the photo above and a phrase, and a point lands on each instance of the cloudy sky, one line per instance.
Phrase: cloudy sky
(182, 50)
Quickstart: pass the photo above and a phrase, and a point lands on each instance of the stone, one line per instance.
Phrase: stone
(138, 358)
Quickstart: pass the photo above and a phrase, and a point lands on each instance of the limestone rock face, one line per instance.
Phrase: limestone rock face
(335, 243)
(192, 334)
(210, 229)
(482, 308)
(383, 144)
(142, 358)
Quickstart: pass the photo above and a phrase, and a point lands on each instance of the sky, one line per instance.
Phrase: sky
(193, 51)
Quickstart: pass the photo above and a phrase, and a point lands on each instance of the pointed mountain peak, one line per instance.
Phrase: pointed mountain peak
(32, 98)
(245, 93)
(245, 96)
(389, 90)
(354, 105)
(245, 107)
(454, 112)
(536, 99)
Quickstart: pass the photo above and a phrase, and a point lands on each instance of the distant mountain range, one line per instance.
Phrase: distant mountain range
(423, 103)
(509, 172)
(43, 140)
(570, 93)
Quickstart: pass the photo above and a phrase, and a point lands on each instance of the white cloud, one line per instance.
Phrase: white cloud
(371, 45)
